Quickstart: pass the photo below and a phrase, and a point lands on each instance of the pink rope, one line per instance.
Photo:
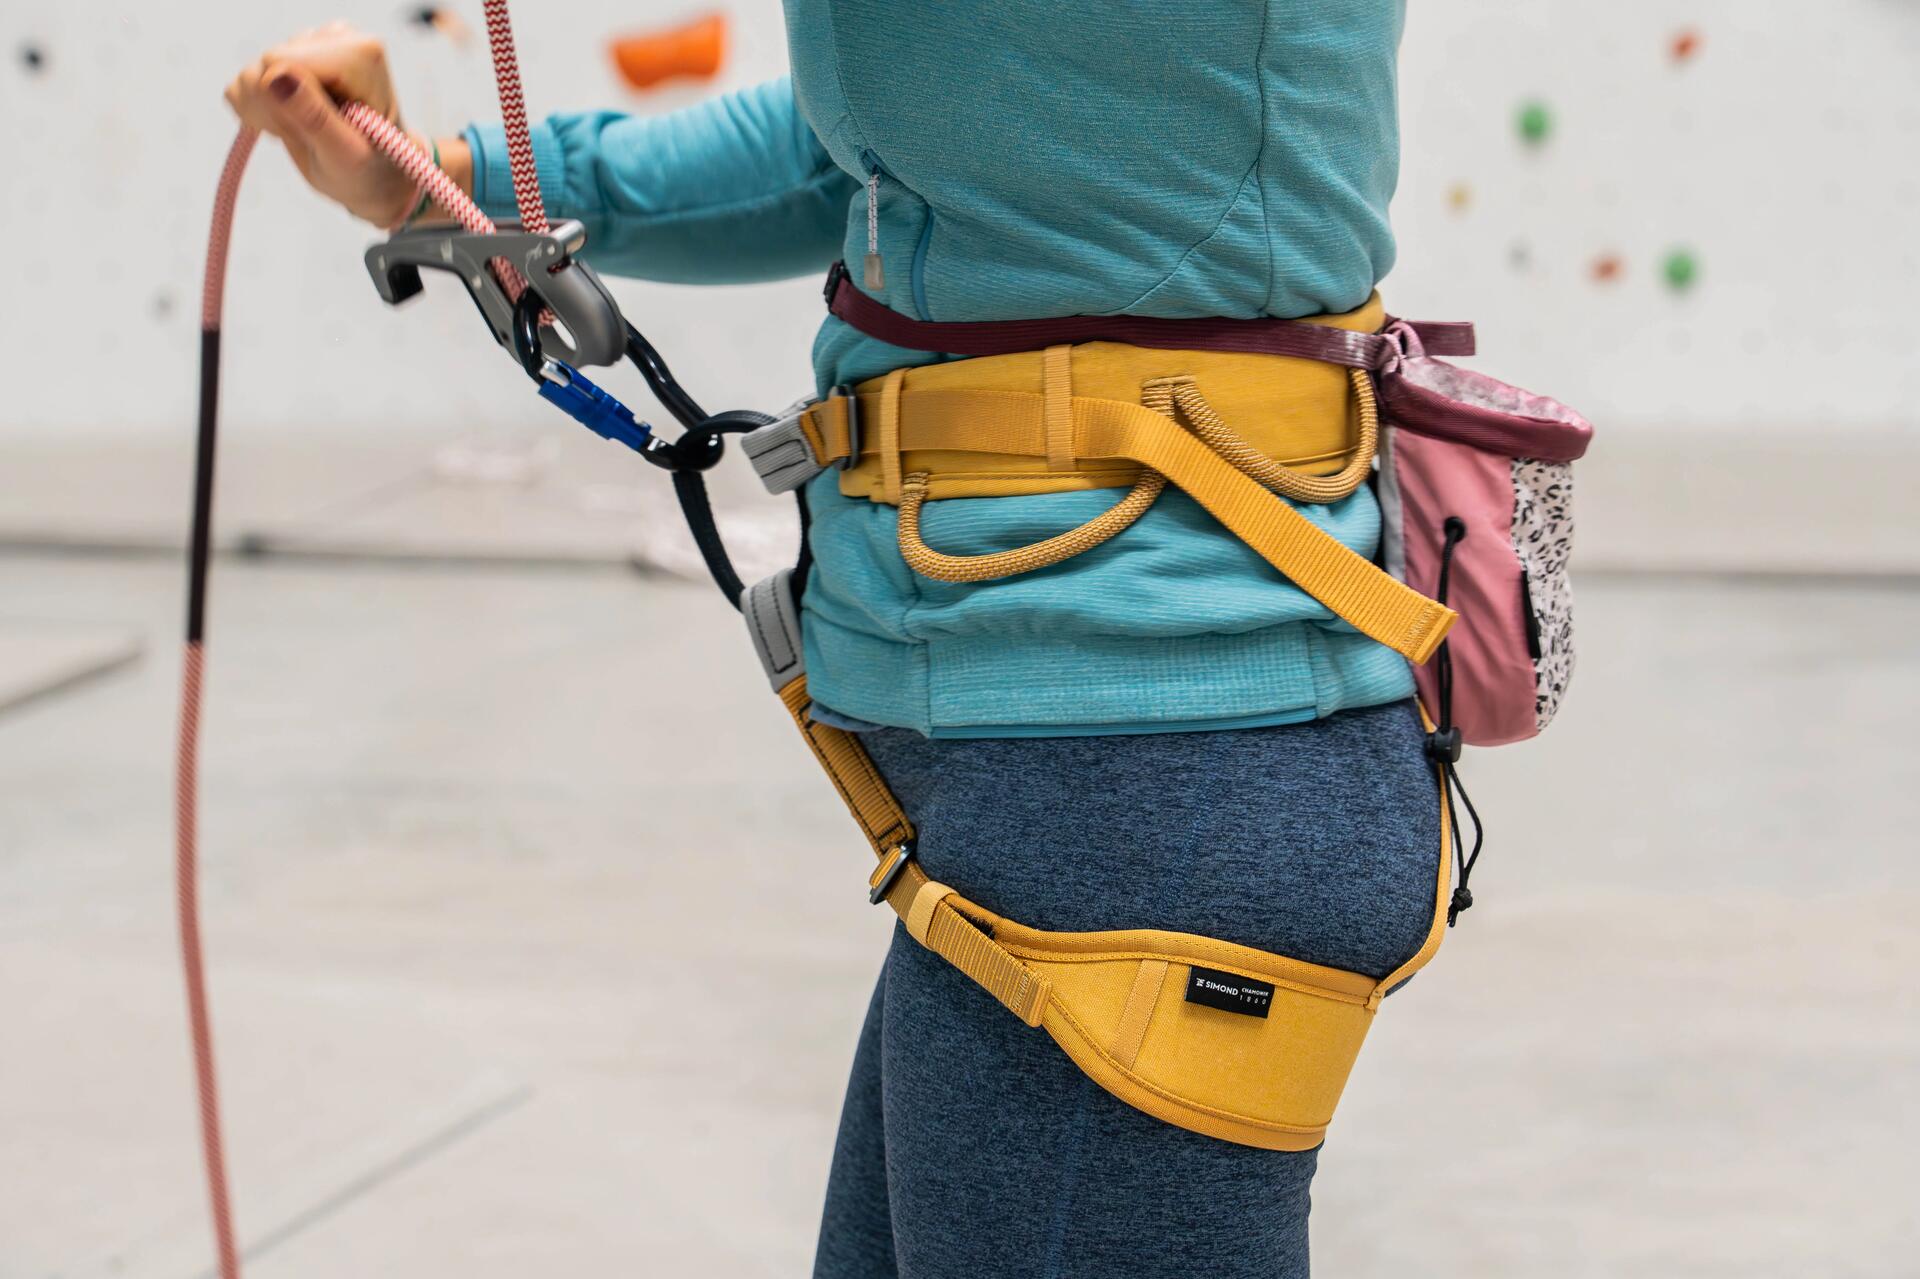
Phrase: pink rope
(186, 882)
(396, 146)
(214, 285)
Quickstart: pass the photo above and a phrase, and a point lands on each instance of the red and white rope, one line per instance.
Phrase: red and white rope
(513, 115)
(186, 883)
(396, 146)
(214, 285)
(392, 142)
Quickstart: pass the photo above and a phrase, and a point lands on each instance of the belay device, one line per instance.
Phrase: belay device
(1474, 480)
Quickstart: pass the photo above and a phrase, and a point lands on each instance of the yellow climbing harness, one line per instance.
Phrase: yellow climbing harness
(1216, 1037)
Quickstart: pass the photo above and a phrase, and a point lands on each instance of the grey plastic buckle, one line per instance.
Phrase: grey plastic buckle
(594, 332)
(779, 452)
(773, 623)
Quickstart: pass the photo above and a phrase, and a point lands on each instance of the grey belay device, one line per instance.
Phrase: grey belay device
(593, 333)
(565, 318)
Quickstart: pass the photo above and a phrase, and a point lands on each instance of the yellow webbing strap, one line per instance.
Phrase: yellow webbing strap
(937, 925)
(865, 792)
(1137, 1011)
(1056, 379)
(1352, 587)
(890, 436)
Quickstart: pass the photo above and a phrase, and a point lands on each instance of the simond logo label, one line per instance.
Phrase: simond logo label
(1228, 992)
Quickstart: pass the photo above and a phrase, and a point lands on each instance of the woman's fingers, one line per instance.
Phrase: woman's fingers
(305, 113)
(351, 65)
(294, 92)
(245, 95)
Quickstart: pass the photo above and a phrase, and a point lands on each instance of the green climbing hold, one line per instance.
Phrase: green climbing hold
(1681, 270)
(1535, 122)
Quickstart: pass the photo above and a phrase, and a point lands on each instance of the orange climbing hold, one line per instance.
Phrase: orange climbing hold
(1685, 44)
(695, 49)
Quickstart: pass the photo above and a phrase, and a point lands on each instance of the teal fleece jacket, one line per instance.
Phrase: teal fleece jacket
(1037, 158)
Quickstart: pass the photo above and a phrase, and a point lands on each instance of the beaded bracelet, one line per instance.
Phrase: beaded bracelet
(426, 200)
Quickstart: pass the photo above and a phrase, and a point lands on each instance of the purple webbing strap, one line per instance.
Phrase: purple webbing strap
(1264, 336)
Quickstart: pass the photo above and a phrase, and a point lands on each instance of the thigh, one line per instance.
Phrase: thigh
(1004, 1160)
(856, 1227)
(1319, 840)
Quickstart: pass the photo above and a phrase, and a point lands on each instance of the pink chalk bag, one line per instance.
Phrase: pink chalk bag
(1476, 500)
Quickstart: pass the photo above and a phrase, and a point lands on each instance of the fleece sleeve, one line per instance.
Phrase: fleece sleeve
(735, 189)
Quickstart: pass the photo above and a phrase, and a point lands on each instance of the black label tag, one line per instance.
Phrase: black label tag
(1229, 992)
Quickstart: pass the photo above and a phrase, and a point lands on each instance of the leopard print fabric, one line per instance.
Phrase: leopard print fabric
(1543, 539)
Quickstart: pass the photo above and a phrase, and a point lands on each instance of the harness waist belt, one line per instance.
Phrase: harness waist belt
(1306, 339)
(1298, 412)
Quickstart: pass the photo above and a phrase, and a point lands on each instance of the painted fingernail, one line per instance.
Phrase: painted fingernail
(282, 86)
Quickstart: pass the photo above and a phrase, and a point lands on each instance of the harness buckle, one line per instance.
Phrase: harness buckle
(835, 273)
(779, 451)
(844, 391)
(888, 873)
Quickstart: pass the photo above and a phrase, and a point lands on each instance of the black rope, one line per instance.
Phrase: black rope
(1463, 861)
(200, 542)
(1443, 744)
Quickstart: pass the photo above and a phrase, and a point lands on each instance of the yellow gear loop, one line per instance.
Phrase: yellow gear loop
(1317, 489)
(927, 562)
(1164, 396)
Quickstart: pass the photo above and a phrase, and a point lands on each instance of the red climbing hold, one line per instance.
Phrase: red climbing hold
(1607, 268)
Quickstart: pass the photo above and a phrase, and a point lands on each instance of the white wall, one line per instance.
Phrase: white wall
(1783, 155)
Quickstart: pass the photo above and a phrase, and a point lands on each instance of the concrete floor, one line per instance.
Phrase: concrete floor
(480, 1016)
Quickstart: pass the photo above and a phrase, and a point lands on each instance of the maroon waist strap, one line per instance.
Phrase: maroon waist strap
(1265, 336)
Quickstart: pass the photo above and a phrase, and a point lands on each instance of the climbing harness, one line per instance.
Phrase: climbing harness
(1250, 418)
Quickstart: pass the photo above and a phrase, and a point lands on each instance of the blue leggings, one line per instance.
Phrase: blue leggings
(970, 1147)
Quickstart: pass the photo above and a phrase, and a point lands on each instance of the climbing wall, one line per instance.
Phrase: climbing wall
(1674, 214)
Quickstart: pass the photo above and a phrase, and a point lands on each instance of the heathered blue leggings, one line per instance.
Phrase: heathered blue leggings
(970, 1146)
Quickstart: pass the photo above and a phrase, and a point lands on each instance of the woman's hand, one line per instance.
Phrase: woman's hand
(291, 92)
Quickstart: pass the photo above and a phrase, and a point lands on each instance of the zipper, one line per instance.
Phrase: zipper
(874, 272)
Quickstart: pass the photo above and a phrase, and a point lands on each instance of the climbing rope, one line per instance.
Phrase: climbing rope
(397, 147)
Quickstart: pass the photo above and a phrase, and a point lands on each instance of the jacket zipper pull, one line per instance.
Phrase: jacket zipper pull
(876, 275)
